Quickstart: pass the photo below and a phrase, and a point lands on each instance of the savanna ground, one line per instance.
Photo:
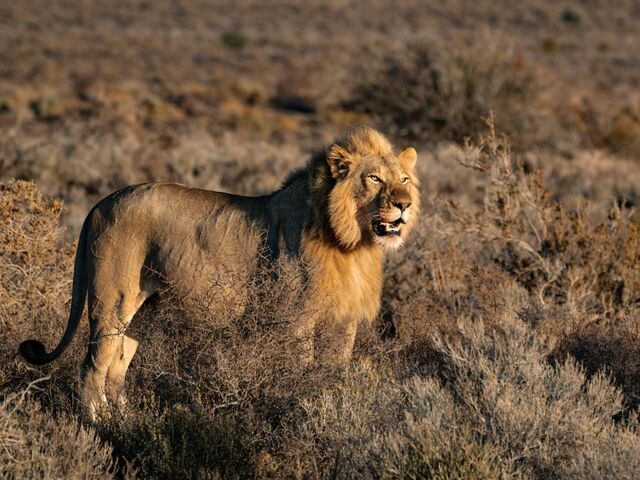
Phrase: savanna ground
(509, 342)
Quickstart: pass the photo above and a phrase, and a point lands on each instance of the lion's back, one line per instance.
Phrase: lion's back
(190, 238)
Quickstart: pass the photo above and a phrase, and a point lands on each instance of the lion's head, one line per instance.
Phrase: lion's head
(375, 196)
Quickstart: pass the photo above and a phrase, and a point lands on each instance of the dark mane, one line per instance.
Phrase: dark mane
(304, 172)
(294, 175)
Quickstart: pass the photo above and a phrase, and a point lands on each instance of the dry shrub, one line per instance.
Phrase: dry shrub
(624, 132)
(463, 389)
(35, 286)
(500, 411)
(33, 444)
(561, 257)
(296, 90)
(35, 283)
(433, 91)
(613, 348)
(563, 271)
(34, 270)
(578, 276)
(608, 126)
(184, 441)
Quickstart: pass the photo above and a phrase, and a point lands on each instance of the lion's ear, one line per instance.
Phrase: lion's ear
(407, 158)
(339, 160)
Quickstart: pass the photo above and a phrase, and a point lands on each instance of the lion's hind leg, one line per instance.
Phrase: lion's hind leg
(102, 348)
(118, 371)
(109, 351)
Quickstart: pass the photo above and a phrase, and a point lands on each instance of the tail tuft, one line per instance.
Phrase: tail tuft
(34, 352)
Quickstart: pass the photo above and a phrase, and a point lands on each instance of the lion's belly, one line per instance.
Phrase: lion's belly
(210, 283)
(210, 265)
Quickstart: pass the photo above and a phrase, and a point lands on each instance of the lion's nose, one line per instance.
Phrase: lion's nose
(402, 205)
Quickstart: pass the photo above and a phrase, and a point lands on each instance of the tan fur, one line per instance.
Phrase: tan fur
(335, 218)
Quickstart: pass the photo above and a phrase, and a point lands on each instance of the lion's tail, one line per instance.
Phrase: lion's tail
(33, 351)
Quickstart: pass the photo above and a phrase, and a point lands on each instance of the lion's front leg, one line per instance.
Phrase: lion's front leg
(336, 339)
(303, 338)
(343, 342)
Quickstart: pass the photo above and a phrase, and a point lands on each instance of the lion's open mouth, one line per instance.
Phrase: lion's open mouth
(383, 229)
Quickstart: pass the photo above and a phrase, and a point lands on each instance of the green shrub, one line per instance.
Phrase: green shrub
(48, 108)
(236, 40)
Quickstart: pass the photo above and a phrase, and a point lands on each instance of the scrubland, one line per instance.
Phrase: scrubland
(508, 345)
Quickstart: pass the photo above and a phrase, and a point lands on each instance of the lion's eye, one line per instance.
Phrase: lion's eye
(405, 180)
(375, 179)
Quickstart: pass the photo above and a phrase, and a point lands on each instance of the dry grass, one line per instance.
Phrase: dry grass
(558, 254)
(436, 91)
(495, 359)
(33, 444)
(508, 344)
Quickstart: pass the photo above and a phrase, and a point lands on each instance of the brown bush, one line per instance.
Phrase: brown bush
(614, 349)
(560, 256)
(34, 269)
(484, 308)
(35, 278)
(33, 444)
(462, 387)
(607, 126)
(435, 91)
(501, 411)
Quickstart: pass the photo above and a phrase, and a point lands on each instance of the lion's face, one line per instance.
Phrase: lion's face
(375, 198)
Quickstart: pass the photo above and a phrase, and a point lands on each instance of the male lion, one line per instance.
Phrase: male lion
(335, 217)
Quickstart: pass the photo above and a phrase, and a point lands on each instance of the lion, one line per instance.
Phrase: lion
(335, 217)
